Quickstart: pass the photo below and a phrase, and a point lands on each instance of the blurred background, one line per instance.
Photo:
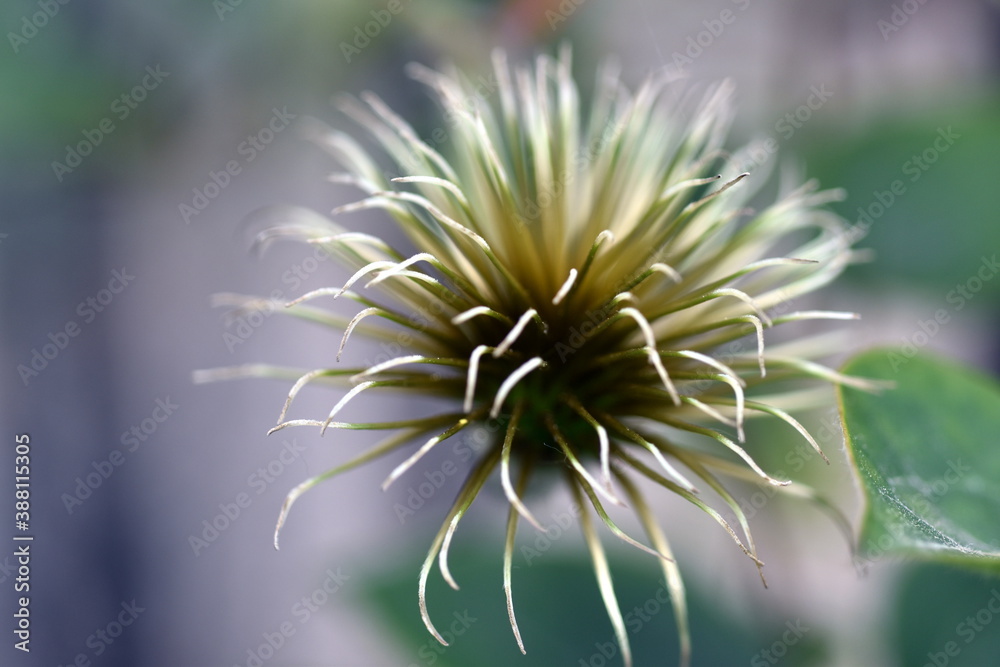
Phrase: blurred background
(137, 137)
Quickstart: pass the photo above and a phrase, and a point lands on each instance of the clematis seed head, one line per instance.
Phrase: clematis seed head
(589, 279)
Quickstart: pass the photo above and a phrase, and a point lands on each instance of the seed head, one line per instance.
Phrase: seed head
(589, 280)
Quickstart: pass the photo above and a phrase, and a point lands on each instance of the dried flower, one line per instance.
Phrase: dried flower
(589, 279)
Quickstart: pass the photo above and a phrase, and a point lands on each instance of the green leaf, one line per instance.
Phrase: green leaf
(928, 458)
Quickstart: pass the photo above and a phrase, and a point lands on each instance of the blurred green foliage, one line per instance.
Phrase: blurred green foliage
(934, 234)
(562, 617)
(947, 618)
